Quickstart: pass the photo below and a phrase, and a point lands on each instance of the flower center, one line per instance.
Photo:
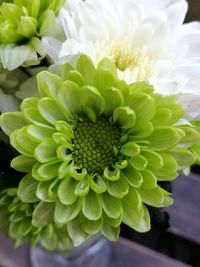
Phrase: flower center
(133, 63)
(94, 144)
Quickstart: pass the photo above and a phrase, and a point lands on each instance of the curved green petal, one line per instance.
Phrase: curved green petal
(91, 207)
(133, 176)
(111, 205)
(43, 214)
(118, 188)
(27, 188)
(124, 117)
(66, 191)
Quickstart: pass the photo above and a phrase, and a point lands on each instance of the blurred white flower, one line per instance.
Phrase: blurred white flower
(146, 39)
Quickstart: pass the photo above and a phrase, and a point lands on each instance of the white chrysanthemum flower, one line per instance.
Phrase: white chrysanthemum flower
(146, 39)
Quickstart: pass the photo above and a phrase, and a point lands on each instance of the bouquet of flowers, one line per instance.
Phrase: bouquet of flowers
(100, 100)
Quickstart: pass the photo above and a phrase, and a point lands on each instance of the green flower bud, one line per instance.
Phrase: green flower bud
(95, 148)
(22, 24)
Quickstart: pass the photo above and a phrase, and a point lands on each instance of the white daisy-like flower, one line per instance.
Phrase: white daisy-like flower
(146, 39)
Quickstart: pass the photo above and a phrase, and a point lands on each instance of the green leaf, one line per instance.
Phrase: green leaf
(124, 117)
(66, 191)
(27, 189)
(111, 205)
(43, 214)
(64, 214)
(91, 207)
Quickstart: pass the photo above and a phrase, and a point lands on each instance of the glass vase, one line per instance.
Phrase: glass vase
(94, 252)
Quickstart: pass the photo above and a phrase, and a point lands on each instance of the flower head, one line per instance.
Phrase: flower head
(146, 40)
(95, 149)
(16, 221)
(22, 24)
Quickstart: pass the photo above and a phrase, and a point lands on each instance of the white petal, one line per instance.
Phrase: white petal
(8, 103)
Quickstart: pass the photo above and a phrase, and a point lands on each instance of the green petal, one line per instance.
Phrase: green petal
(119, 188)
(98, 184)
(33, 115)
(20, 140)
(102, 80)
(156, 197)
(107, 65)
(191, 135)
(91, 208)
(66, 191)
(61, 139)
(42, 191)
(86, 68)
(82, 187)
(113, 98)
(149, 180)
(93, 99)
(154, 159)
(141, 131)
(22, 163)
(182, 156)
(27, 26)
(144, 225)
(164, 138)
(48, 84)
(133, 177)
(132, 208)
(111, 221)
(50, 110)
(70, 95)
(143, 105)
(74, 76)
(47, 171)
(91, 227)
(38, 133)
(27, 189)
(111, 233)
(130, 149)
(11, 121)
(169, 170)
(45, 22)
(162, 117)
(46, 151)
(65, 128)
(111, 205)
(139, 162)
(10, 10)
(124, 117)
(64, 214)
(75, 232)
(43, 214)
(77, 173)
(112, 174)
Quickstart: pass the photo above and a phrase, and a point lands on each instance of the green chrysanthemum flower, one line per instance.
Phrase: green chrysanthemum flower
(95, 149)
(16, 222)
(22, 24)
